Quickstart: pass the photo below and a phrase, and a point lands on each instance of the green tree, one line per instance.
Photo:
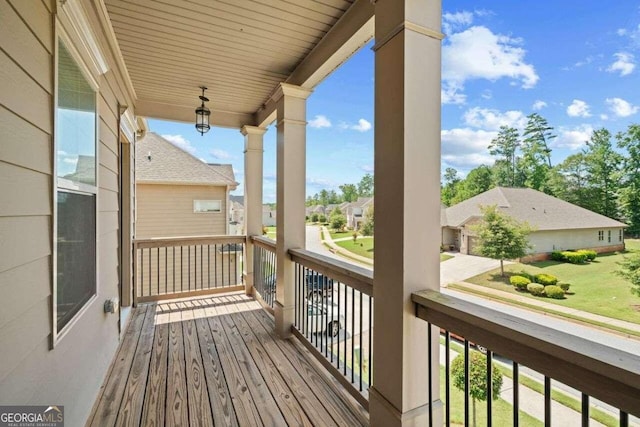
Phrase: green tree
(500, 236)
(630, 270)
(568, 180)
(504, 147)
(451, 183)
(630, 188)
(603, 173)
(478, 181)
(539, 133)
(349, 192)
(478, 387)
(314, 217)
(365, 186)
(368, 225)
(337, 220)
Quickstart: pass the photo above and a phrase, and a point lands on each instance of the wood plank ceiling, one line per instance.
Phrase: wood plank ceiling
(239, 49)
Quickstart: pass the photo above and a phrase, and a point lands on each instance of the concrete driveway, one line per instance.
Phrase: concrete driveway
(462, 267)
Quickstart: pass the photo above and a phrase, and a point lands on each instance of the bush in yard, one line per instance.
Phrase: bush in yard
(529, 276)
(554, 292)
(574, 257)
(314, 217)
(519, 282)
(591, 255)
(564, 286)
(535, 289)
(322, 218)
(557, 256)
(546, 279)
(337, 221)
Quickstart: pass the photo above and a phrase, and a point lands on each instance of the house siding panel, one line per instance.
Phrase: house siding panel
(167, 211)
(31, 372)
(558, 240)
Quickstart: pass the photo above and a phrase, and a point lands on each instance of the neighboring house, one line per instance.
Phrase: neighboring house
(178, 194)
(355, 211)
(236, 214)
(558, 225)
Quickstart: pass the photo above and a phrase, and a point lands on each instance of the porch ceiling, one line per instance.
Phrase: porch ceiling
(239, 49)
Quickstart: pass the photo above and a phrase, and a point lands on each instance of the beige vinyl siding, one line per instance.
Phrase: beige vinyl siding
(31, 372)
(548, 241)
(167, 211)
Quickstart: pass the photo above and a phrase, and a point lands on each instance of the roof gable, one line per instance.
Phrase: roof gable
(159, 161)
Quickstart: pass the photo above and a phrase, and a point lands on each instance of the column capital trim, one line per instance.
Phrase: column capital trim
(286, 89)
(252, 130)
(291, 122)
(411, 26)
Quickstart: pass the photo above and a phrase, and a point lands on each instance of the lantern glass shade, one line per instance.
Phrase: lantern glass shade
(202, 119)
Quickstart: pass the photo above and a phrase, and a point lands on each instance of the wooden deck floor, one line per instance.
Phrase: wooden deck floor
(216, 361)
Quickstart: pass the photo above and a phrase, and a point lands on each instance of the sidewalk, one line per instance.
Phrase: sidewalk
(326, 239)
(549, 306)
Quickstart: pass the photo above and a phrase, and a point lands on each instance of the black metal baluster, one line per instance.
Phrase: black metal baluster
(228, 262)
(516, 395)
(547, 401)
(360, 330)
(466, 383)
(335, 319)
(585, 410)
(624, 419)
(166, 270)
(181, 271)
(447, 380)
(346, 329)
(370, 349)
(430, 372)
(353, 331)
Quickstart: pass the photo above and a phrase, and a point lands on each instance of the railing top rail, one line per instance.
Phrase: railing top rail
(264, 242)
(357, 277)
(606, 373)
(161, 242)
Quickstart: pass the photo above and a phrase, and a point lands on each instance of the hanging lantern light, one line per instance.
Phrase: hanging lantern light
(202, 114)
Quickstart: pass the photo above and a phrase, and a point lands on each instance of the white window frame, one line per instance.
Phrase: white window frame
(620, 235)
(71, 187)
(195, 203)
(608, 236)
(601, 236)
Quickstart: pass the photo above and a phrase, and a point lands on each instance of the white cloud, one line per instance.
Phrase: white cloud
(450, 94)
(573, 138)
(466, 148)
(180, 142)
(620, 107)
(320, 122)
(453, 20)
(538, 105)
(604, 117)
(624, 63)
(578, 108)
(216, 153)
(492, 119)
(478, 53)
(367, 168)
(362, 126)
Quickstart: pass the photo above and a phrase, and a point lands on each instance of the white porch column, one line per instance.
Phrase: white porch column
(253, 157)
(407, 207)
(291, 173)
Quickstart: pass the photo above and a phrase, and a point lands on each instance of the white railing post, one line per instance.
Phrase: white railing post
(407, 207)
(291, 178)
(253, 159)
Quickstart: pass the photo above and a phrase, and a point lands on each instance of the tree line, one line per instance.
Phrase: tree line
(348, 193)
(603, 177)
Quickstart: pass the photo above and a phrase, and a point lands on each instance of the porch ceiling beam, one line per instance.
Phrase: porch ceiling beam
(349, 34)
(182, 113)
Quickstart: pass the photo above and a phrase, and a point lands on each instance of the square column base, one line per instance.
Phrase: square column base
(383, 414)
(284, 319)
(248, 284)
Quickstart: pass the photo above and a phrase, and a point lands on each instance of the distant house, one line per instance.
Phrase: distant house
(355, 211)
(178, 194)
(236, 214)
(558, 225)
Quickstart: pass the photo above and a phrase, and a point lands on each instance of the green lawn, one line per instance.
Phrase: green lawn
(444, 257)
(595, 287)
(271, 232)
(340, 234)
(363, 247)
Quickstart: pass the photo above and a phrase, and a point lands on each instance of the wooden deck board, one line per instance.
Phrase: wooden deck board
(216, 360)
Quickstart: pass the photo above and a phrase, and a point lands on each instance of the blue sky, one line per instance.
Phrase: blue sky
(573, 62)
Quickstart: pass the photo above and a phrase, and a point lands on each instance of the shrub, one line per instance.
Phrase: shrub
(554, 292)
(519, 282)
(338, 221)
(529, 276)
(557, 256)
(322, 218)
(564, 286)
(545, 279)
(535, 289)
(314, 217)
(574, 257)
(591, 255)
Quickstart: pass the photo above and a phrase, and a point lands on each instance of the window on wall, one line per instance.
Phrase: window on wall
(204, 206)
(620, 235)
(609, 236)
(601, 235)
(76, 190)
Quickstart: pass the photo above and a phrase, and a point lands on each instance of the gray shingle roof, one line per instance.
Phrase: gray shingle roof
(159, 161)
(540, 210)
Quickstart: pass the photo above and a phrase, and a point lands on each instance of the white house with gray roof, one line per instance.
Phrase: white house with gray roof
(178, 194)
(558, 225)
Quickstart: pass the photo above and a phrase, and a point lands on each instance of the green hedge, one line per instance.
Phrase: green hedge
(529, 276)
(591, 255)
(564, 286)
(574, 257)
(535, 289)
(519, 282)
(545, 279)
(554, 292)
